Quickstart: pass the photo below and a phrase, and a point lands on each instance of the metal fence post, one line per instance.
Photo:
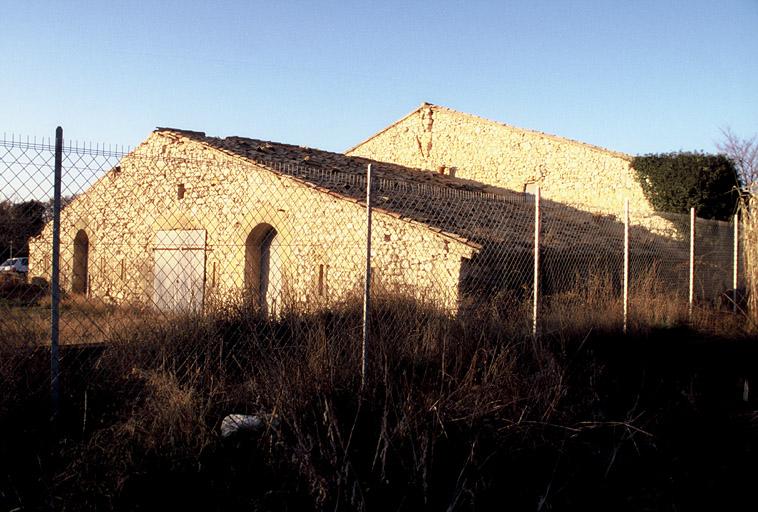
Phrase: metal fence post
(692, 261)
(55, 278)
(736, 261)
(367, 282)
(626, 263)
(536, 283)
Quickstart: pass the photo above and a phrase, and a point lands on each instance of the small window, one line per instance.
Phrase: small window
(180, 191)
(321, 280)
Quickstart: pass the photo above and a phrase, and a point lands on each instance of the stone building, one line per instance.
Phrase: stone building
(186, 219)
(443, 140)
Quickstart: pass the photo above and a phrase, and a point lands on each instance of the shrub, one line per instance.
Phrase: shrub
(676, 182)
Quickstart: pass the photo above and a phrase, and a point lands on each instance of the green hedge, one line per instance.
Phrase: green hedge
(675, 182)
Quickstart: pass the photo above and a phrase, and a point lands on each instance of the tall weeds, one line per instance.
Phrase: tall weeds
(454, 409)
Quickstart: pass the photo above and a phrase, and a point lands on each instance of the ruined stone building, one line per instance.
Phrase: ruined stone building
(445, 141)
(187, 219)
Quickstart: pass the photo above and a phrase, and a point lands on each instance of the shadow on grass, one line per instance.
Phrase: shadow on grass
(458, 413)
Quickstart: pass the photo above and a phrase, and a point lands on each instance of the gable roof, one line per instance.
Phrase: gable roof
(305, 158)
(344, 177)
(469, 212)
(483, 120)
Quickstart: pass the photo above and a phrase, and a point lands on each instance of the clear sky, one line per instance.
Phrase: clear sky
(632, 75)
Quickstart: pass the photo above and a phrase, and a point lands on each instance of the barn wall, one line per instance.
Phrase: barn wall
(442, 140)
(317, 256)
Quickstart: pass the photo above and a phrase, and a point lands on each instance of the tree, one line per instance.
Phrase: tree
(18, 223)
(50, 204)
(744, 154)
(676, 182)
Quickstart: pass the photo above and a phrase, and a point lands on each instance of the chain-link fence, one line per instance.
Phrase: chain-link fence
(187, 226)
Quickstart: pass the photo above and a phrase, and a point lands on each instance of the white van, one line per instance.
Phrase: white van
(20, 265)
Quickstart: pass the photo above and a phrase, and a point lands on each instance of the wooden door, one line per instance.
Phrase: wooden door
(179, 270)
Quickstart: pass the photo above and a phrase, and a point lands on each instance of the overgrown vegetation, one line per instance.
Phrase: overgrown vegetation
(676, 182)
(743, 153)
(457, 414)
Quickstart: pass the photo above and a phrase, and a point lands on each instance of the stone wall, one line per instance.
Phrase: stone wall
(171, 182)
(443, 140)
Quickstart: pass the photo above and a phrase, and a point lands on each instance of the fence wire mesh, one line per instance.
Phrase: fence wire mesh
(188, 232)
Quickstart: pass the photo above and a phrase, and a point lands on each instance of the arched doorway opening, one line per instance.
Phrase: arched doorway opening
(258, 265)
(79, 276)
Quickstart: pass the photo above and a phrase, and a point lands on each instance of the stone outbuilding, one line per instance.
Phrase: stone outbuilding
(185, 220)
(443, 140)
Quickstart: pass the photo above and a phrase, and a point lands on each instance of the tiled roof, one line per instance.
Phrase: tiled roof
(471, 212)
(400, 191)
(267, 152)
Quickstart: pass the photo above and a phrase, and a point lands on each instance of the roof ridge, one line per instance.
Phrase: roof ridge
(559, 138)
(178, 130)
(270, 165)
(393, 170)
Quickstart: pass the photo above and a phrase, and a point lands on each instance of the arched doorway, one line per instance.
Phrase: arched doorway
(258, 265)
(81, 263)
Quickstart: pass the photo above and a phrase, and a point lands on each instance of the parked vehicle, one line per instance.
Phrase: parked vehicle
(19, 265)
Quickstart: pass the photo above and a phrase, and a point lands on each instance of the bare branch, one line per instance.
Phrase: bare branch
(744, 155)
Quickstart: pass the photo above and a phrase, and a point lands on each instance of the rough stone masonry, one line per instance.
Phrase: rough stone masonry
(255, 229)
(187, 220)
(443, 140)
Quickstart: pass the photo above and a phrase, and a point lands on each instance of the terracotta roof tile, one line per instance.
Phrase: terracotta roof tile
(470, 212)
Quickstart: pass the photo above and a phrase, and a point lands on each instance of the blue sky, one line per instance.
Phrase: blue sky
(634, 76)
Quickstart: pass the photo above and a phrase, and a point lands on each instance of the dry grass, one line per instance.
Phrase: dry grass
(595, 304)
(429, 374)
(82, 320)
(454, 410)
